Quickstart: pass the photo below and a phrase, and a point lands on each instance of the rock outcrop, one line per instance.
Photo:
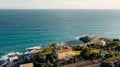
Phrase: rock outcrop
(87, 39)
(92, 40)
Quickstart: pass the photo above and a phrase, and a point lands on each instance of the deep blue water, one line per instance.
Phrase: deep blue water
(20, 29)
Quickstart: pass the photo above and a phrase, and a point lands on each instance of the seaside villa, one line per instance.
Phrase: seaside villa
(64, 52)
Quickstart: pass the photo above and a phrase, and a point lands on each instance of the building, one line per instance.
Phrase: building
(64, 52)
(13, 58)
(27, 65)
(10, 57)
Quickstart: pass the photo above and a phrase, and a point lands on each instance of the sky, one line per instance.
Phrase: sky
(59, 4)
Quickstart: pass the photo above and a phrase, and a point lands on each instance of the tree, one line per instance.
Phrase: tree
(85, 53)
(41, 65)
(48, 62)
(111, 54)
(53, 60)
(54, 51)
(54, 45)
(94, 55)
(51, 65)
(107, 64)
(76, 59)
(43, 57)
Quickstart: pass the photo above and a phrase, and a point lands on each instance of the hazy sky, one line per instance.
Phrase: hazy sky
(59, 4)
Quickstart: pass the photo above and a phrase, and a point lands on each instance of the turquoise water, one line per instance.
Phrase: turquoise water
(20, 29)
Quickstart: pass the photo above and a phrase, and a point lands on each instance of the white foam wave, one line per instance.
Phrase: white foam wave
(34, 47)
(6, 56)
(77, 38)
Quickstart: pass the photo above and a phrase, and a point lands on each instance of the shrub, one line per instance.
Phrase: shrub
(107, 64)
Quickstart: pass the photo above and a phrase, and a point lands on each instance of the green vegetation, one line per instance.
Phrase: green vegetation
(107, 64)
(89, 53)
(76, 48)
(95, 51)
(46, 58)
(77, 52)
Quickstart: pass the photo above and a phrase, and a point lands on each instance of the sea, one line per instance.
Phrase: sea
(23, 28)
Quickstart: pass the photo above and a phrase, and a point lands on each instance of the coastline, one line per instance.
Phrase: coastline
(75, 41)
(94, 43)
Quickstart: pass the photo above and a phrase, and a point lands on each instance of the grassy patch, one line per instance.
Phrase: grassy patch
(95, 51)
(45, 53)
(77, 52)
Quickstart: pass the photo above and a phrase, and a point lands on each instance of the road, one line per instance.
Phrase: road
(94, 63)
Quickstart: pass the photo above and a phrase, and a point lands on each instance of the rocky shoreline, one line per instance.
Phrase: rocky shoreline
(85, 41)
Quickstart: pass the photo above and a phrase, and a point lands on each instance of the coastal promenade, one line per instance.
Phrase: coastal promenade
(21, 60)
